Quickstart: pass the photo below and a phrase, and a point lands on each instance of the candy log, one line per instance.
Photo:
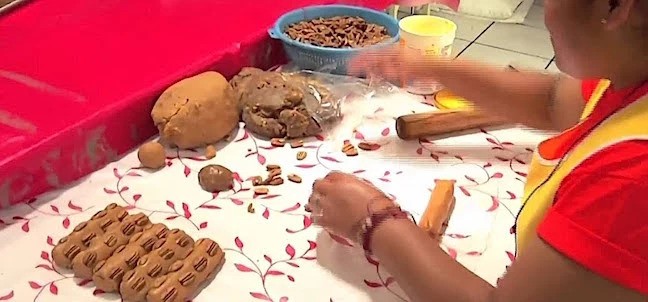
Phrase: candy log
(438, 209)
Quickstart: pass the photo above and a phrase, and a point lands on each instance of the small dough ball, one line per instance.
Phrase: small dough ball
(152, 155)
(215, 178)
(210, 152)
(196, 111)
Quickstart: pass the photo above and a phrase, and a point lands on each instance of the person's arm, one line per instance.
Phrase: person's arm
(595, 232)
(543, 101)
(541, 274)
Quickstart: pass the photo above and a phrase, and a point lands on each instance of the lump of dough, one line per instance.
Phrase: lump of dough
(152, 155)
(241, 82)
(274, 105)
(196, 111)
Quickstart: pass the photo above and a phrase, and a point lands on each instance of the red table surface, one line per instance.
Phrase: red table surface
(78, 78)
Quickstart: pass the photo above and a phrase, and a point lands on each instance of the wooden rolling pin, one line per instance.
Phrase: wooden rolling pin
(419, 125)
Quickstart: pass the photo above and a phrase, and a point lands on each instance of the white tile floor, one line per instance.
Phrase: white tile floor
(523, 45)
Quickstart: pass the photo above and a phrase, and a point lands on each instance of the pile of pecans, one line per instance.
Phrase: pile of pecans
(350, 150)
(280, 142)
(274, 179)
(338, 32)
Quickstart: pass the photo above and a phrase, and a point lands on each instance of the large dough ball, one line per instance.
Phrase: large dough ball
(196, 111)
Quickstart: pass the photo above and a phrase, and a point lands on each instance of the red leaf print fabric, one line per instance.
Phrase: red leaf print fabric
(272, 245)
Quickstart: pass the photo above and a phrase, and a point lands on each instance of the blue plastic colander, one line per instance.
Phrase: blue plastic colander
(325, 59)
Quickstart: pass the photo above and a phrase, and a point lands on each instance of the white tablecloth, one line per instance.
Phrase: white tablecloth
(275, 253)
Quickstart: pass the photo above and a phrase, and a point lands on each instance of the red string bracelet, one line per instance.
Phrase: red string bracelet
(374, 219)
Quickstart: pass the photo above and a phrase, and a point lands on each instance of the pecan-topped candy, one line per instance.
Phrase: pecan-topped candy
(149, 236)
(108, 274)
(84, 233)
(186, 276)
(116, 235)
(137, 283)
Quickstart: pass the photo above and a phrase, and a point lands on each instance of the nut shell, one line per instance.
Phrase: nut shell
(215, 178)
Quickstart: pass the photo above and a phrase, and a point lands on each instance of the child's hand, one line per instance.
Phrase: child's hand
(394, 64)
(339, 201)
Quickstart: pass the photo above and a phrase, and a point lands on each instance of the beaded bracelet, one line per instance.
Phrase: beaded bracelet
(369, 224)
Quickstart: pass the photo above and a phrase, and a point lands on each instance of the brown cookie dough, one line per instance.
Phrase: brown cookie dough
(137, 283)
(152, 155)
(84, 234)
(275, 105)
(215, 178)
(196, 111)
(241, 82)
(186, 276)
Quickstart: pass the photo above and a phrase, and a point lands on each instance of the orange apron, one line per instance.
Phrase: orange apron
(545, 176)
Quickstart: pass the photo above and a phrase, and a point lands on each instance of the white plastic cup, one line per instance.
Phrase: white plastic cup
(429, 36)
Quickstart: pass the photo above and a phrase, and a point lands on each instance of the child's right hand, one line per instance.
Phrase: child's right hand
(394, 64)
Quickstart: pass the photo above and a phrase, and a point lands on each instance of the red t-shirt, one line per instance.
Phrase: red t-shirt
(600, 213)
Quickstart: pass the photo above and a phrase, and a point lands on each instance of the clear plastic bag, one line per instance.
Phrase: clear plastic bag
(336, 96)
(350, 102)
(283, 102)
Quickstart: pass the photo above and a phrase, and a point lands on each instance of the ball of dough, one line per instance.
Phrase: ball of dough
(152, 155)
(196, 111)
(215, 178)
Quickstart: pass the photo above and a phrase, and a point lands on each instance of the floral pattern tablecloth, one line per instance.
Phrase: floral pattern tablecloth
(276, 253)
